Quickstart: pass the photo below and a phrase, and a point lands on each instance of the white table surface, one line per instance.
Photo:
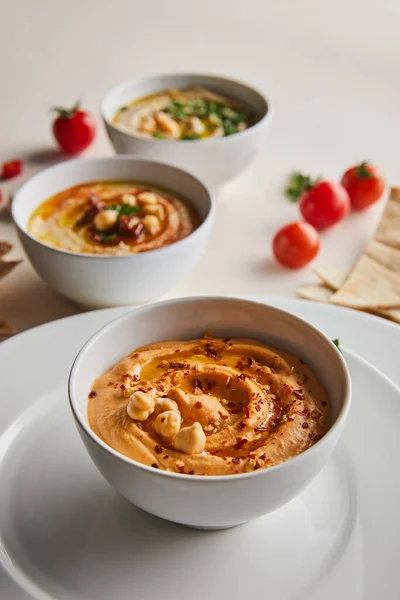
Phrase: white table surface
(331, 69)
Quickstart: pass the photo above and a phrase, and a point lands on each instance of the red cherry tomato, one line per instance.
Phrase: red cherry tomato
(296, 244)
(11, 168)
(364, 184)
(325, 204)
(74, 129)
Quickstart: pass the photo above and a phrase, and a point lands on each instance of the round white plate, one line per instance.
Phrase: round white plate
(65, 534)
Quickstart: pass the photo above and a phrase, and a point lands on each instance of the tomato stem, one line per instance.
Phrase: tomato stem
(299, 183)
(362, 171)
(66, 113)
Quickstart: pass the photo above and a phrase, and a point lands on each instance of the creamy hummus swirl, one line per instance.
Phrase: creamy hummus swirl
(256, 405)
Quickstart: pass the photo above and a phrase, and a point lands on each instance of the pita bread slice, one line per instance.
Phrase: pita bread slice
(388, 231)
(369, 285)
(318, 293)
(333, 278)
(385, 255)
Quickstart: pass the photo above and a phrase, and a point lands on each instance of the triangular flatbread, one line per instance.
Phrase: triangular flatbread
(333, 278)
(385, 255)
(318, 293)
(388, 231)
(369, 285)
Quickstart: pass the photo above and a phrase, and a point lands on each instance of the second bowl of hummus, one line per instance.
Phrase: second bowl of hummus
(209, 411)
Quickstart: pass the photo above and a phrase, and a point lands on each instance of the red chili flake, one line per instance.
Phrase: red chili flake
(236, 460)
(135, 355)
(315, 437)
(324, 403)
(257, 407)
(135, 377)
(287, 389)
(178, 350)
(181, 468)
(262, 457)
(198, 404)
(299, 394)
(246, 411)
(127, 375)
(191, 472)
(92, 394)
(211, 352)
(166, 456)
(158, 449)
(315, 414)
(234, 408)
(178, 365)
(240, 443)
(154, 465)
(122, 387)
(302, 361)
(302, 379)
(304, 425)
(242, 425)
(250, 361)
(210, 385)
(110, 383)
(241, 377)
(240, 365)
(115, 386)
(160, 387)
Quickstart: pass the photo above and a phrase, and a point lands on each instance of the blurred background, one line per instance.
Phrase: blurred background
(330, 69)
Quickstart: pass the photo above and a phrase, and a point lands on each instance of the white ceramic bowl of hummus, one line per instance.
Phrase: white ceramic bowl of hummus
(215, 160)
(210, 502)
(100, 280)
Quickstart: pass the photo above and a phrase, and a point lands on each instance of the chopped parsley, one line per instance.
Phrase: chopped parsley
(337, 344)
(124, 209)
(158, 135)
(190, 136)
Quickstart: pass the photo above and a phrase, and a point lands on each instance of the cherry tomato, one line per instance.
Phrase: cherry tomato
(296, 244)
(364, 184)
(74, 129)
(11, 168)
(325, 204)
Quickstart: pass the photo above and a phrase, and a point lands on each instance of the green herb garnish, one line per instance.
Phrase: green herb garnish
(299, 183)
(125, 107)
(362, 171)
(158, 135)
(124, 209)
(107, 237)
(337, 344)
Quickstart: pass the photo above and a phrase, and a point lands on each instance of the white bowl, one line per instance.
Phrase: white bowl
(216, 160)
(218, 501)
(98, 281)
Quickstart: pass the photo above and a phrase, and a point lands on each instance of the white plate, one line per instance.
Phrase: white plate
(65, 534)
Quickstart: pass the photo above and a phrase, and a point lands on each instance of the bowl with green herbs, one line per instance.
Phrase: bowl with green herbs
(210, 125)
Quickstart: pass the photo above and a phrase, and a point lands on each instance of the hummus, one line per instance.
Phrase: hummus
(188, 114)
(112, 218)
(209, 406)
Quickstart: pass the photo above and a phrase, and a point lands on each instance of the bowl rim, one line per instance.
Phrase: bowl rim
(103, 159)
(84, 425)
(267, 115)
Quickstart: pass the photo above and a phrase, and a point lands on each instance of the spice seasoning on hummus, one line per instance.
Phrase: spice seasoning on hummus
(112, 218)
(183, 114)
(209, 406)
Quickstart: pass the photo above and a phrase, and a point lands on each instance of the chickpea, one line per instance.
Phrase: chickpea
(152, 224)
(148, 124)
(167, 124)
(147, 198)
(105, 220)
(129, 199)
(141, 406)
(165, 404)
(167, 424)
(154, 209)
(190, 440)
